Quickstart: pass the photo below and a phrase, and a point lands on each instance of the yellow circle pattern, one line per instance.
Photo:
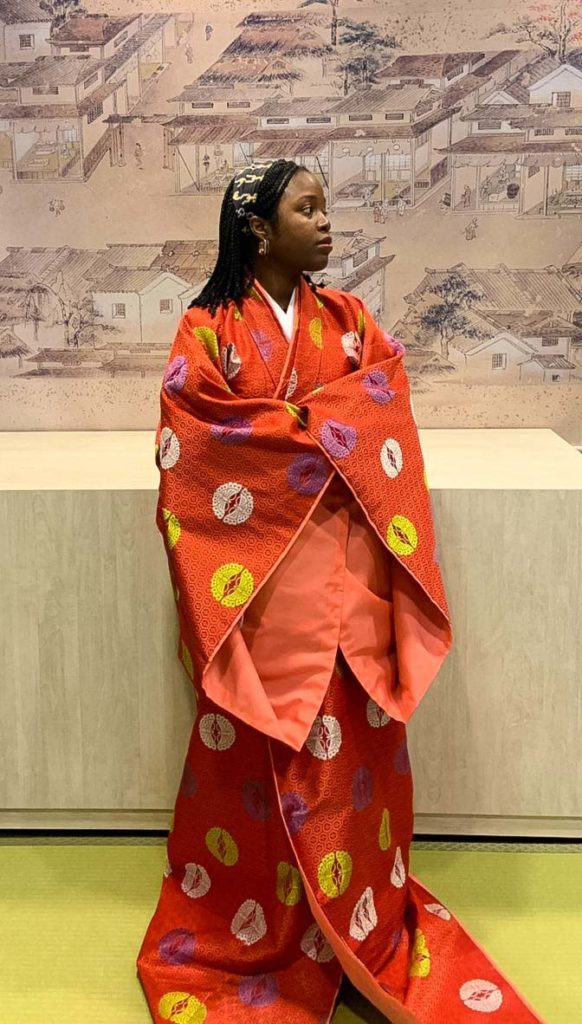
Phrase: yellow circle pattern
(173, 528)
(232, 585)
(316, 332)
(209, 339)
(222, 846)
(334, 873)
(182, 1008)
(402, 536)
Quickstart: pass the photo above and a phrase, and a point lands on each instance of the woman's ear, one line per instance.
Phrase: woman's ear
(258, 227)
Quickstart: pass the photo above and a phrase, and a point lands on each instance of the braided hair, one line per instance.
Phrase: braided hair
(235, 266)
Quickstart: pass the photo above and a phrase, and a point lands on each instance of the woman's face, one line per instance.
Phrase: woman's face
(299, 237)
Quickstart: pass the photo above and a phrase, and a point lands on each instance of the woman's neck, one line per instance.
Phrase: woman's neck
(279, 286)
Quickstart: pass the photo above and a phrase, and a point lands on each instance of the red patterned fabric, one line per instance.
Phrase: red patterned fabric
(287, 869)
(241, 472)
(288, 864)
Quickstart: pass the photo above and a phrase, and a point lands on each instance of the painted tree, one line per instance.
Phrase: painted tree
(554, 27)
(363, 51)
(446, 318)
(83, 322)
(61, 10)
(334, 4)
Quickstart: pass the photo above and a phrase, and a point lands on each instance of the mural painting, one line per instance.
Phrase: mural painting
(448, 143)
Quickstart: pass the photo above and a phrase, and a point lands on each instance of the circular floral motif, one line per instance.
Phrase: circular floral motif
(175, 375)
(209, 339)
(376, 715)
(263, 343)
(222, 846)
(481, 996)
(364, 917)
(315, 945)
(398, 348)
(401, 759)
(362, 787)
(325, 738)
(398, 873)
(338, 439)
(316, 332)
(289, 884)
(292, 385)
(234, 430)
(258, 991)
(391, 458)
(352, 346)
(307, 474)
(248, 924)
(231, 361)
(196, 882)
(173, 528)
(188, 782)
(437, 910)
(401, 536)
(169, 448)
(232, 503)
(182, 1008)
(295, 811)
(216, 732)
(255, 801)
(385, 832)
(232, 585)
(177, 947)
(334, 873)
(375, 384)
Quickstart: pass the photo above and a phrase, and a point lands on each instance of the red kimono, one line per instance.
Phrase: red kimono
(297, 523)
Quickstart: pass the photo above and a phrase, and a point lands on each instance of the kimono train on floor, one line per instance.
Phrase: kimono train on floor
(297, 523)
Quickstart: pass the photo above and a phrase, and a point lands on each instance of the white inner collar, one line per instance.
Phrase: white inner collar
(284, 316)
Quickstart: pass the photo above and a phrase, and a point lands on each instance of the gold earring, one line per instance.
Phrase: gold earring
(263, 246)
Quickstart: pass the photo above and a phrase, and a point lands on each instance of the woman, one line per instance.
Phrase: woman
(298, 528)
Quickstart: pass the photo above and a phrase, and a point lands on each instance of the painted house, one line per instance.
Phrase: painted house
(463, 79)
(24, 31)
(522, 153)
(268, 57)
(141, 304)
(54, 124)
(123, 299)
(204, 152)
(356, 265)
(133, 49)
(368, 150)
(519, 330)
(387, 146)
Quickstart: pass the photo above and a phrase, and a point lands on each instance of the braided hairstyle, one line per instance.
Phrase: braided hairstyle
(235, 266)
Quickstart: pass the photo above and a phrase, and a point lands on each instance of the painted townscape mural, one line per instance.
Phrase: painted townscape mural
(448, 142)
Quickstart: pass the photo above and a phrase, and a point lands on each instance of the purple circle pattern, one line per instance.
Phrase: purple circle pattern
(263, 343)
(401, 759)
(177, 947)
(255, 800)
(398, 348)
(338, 439)
(376, 385)
(307, 474)
(175, 375)
(189, 785)
(232, 431)
(362, 788)
(295, 811)
(258, 991)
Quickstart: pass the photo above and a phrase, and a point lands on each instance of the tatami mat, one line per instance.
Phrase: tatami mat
(74, 910)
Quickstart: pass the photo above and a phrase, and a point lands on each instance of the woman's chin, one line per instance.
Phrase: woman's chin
(318, 262)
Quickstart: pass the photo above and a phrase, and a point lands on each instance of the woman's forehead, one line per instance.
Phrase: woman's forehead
(303, 184)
